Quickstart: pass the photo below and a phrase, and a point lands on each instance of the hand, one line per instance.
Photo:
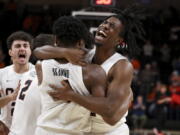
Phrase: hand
(61, 93)
(76, 56)
(15, 93)
(3, 129)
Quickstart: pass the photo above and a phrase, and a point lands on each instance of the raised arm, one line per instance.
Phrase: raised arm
(75, 56)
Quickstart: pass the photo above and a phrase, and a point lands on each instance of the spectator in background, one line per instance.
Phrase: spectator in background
(152, 97)
(161, 109)
(155, 71)
(148, 51)
(165, 64)
(174, 88)
(138, 113)
(157, 132)
(146, 80)
(165, 53)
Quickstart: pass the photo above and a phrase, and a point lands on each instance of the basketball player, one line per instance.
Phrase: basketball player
(19, 45)
(28, 103)
(116, 31)
(63, 117)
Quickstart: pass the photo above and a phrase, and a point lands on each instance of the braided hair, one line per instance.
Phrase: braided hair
(133, 30)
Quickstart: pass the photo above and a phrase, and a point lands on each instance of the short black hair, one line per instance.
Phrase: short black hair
(19, 35)
(43, 39)
(69, 30)
(133, 31)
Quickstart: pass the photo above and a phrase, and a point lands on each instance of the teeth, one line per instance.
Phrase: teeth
(102, 32)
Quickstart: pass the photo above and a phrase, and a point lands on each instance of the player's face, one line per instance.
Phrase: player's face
(20, 52)
(108, 32)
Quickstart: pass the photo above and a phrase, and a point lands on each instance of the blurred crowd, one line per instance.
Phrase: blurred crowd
(156, 83)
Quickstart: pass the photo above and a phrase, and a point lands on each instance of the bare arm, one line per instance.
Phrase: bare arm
(75, 56)
(119, 95)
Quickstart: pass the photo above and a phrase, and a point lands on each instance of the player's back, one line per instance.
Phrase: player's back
(62, 116)
(8, 83)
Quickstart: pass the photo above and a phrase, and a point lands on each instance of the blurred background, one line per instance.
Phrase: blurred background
(157, 70)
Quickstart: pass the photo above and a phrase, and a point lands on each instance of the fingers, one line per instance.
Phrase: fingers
(64, 83)
(85, 50)
(18, 87)
(53, 86)
(82, 63)
(54, 95)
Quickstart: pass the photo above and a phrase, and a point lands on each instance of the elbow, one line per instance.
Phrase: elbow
(109, 111)
(36, 52)
(111, 120)
(39, 53)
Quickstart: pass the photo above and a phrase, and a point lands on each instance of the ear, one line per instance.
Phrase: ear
(55, 41)
(80, 44)
(10, 52)
(120, 40)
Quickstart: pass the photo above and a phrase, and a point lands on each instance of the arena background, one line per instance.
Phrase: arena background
(157, 69)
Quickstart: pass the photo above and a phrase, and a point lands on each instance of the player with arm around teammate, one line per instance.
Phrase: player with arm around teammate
(61, 117)
(116, 31)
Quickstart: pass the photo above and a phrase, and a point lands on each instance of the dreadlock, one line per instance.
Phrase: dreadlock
(133, 30)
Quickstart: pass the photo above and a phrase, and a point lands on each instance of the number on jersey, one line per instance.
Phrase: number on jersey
(24, 89)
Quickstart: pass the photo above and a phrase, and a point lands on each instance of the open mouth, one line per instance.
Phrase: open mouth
(101, 34)
(22, 56)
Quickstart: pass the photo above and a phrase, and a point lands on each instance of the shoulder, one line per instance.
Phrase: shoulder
(124, 64)
(93, 74)
(6, 69)
(93, 70)
(122, 68)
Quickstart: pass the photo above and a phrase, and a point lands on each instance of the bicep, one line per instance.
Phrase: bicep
(98, 91)
(119, 89)
(99, 84)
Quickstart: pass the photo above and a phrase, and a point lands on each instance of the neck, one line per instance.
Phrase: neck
(62, 61)
(21, 68)
(102, 54)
